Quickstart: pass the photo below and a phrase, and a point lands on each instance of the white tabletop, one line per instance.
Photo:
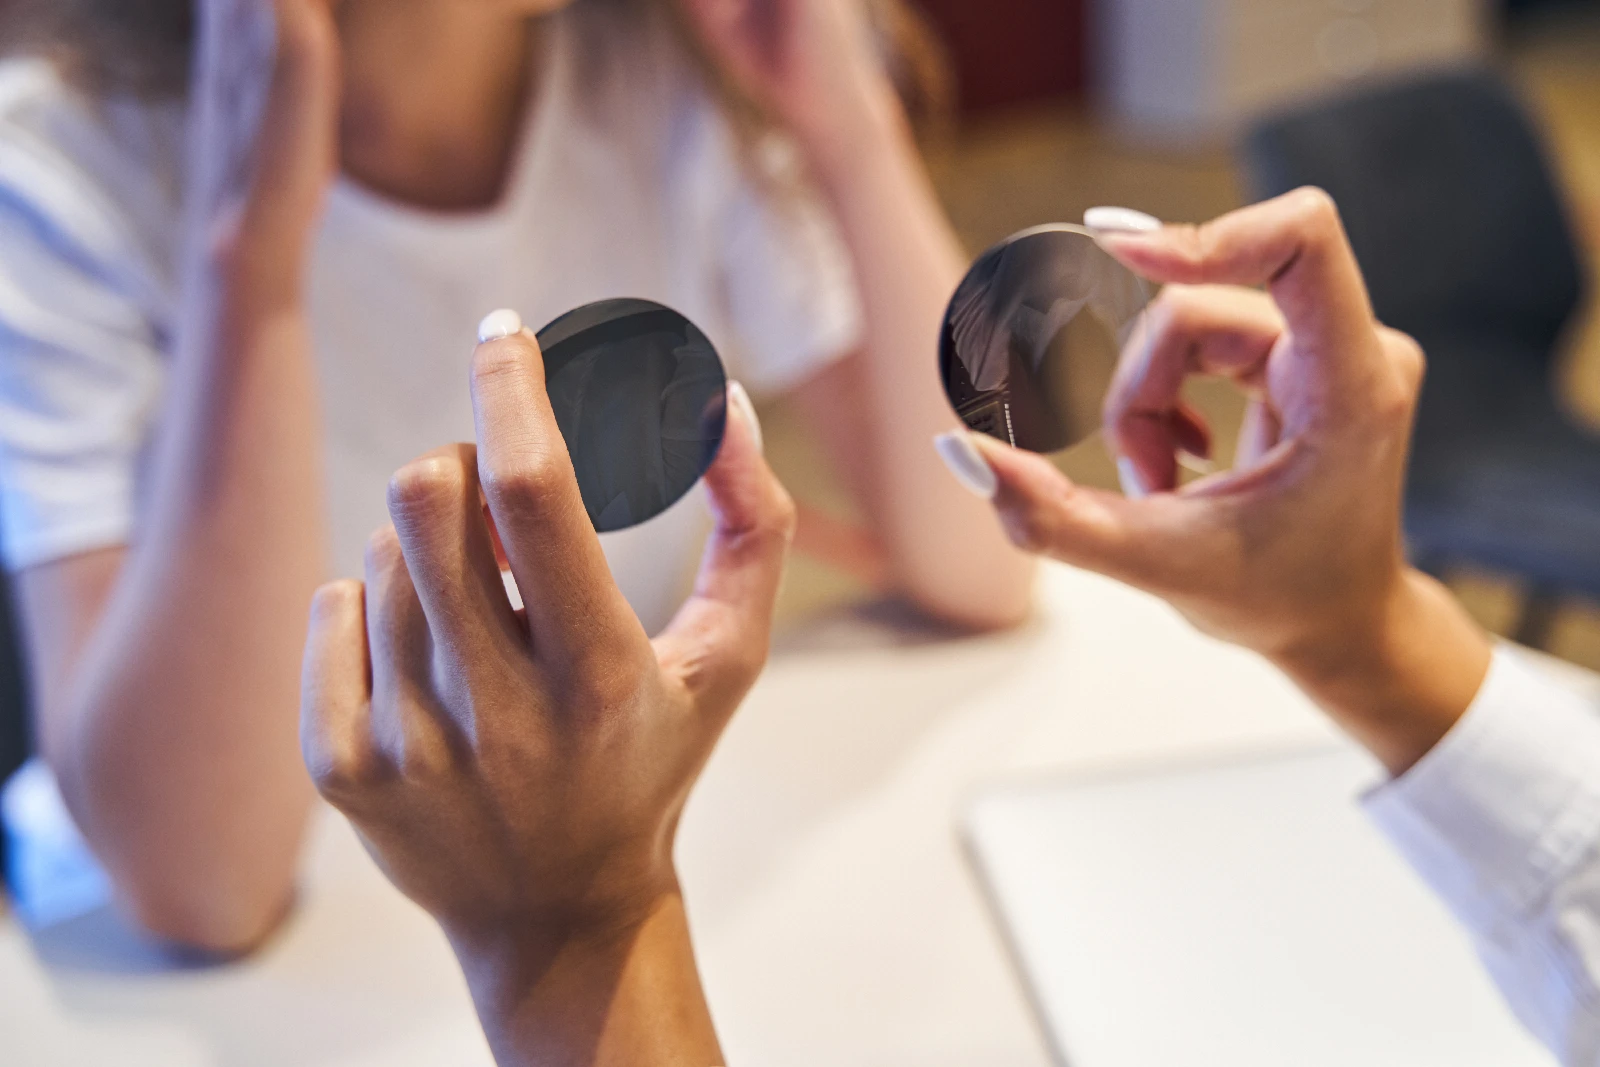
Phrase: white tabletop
(836, 919)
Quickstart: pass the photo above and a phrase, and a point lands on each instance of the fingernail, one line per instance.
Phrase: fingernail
(967, 463)
(1120, 220)
(1133, 486)
(739, 400)
(1197, 464)
(498, 325)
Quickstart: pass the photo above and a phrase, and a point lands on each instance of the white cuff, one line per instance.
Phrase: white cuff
(1508, 803)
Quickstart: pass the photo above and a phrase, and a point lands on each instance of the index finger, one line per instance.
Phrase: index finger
(574, 607)
(1295, 245)
(718, 641)
(1187, 330)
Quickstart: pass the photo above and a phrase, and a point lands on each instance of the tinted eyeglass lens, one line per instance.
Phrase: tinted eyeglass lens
(640, 395)
(1032, 336)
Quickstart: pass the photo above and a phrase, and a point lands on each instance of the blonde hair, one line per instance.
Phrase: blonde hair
(142, 47)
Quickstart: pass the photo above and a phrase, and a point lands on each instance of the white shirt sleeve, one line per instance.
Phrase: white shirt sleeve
(81, 361)
(790, 288)
(1502, 819)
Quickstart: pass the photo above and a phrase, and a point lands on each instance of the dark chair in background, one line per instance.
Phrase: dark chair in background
(1454, 215)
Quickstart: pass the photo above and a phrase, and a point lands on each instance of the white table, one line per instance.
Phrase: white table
(836, 920)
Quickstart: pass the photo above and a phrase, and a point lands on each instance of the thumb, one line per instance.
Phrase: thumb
(718, 641)
(1046, 513)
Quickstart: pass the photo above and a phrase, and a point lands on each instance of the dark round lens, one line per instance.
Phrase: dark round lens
(1032, 336)
(641, 398)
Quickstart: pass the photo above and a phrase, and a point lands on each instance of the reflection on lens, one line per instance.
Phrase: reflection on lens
(641, 399)
(1032, 335)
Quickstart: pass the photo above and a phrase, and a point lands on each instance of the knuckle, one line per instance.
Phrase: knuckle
(384, 555)
(783, 518)
(1316, 208)
(495, 362)
(425, 755)
(1199, 246)
(427, 483)
(1174, 310)
(604, 681)
(527, 482)
(1399, 399)
(345, 770)
(1409, 355)
(337, 598)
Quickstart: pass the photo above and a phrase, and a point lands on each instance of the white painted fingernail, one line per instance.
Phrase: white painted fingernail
(739, 400)
(967, 463)
(498, 325)
(1133, 486)
(1120, 220)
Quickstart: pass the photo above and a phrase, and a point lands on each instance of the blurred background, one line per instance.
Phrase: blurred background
(1068, 104)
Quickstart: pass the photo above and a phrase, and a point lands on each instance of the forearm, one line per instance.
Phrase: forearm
(1399, 682)
(947, 549)
(625, 996)
(180, 756)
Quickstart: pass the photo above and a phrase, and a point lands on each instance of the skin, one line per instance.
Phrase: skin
(521, 775)
(164, 669)
(1296, 553)
(522, 779)
(809, 63)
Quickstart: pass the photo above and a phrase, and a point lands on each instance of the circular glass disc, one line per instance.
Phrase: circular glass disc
(1032, 336)
(641, 398)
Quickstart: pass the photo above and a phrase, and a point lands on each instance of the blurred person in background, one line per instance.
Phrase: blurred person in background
(189, 428)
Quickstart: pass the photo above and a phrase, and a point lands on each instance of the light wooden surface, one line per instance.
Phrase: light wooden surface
(836, 919)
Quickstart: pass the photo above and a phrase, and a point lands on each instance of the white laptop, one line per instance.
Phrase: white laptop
(1241, 915)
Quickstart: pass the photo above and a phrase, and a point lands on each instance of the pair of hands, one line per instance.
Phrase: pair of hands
(1296, 552)
(521, 773)
(524, 772)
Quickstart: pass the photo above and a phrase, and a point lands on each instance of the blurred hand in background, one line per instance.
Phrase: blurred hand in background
(165, 669)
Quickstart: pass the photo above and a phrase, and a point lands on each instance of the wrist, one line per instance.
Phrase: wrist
(249, 282)
(854, 132)
(623, 990)
(506, 954)
(1398, 677)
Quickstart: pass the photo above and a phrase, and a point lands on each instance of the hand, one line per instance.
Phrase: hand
(263, 144)
(521, 775)
(1296, 553)
(812, 63)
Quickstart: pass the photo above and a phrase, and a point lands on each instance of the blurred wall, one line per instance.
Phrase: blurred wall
(1012, 51)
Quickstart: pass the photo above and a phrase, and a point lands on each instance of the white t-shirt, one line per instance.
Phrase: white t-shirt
(629, 182)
